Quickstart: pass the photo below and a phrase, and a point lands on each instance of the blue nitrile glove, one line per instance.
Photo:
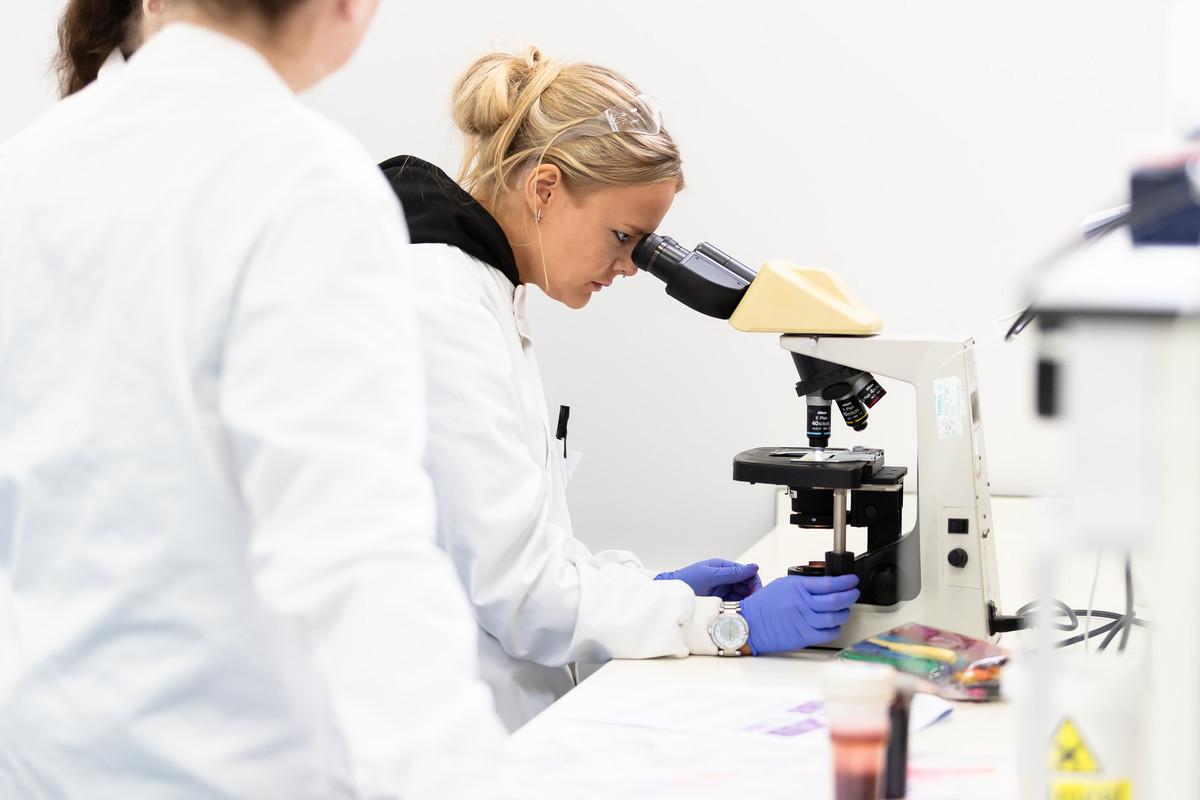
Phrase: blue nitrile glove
(717, 577)
(797, 611)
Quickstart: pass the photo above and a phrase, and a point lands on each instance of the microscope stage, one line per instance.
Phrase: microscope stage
(818, 468)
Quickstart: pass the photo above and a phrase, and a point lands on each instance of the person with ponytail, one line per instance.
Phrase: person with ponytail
(95, 36)
(218, 573)
(566, 166)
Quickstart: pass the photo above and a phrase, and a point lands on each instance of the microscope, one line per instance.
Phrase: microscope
(940, 573)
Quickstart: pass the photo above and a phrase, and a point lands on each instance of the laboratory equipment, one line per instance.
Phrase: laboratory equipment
(858, 702)
(1119, 345)
(1130, 298)
(941, 572)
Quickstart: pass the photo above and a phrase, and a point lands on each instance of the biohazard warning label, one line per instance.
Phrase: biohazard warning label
(1068, 752)
(1078, 789)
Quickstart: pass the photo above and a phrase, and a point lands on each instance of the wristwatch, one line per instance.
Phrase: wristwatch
(730, 631)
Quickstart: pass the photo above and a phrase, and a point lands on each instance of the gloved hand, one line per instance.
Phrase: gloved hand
(797, 611)
(717, 577)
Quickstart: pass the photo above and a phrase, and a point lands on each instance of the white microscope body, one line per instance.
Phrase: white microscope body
(942, 573)
(947, 567)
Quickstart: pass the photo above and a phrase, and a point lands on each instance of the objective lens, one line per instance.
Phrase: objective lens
(819, 422)
(853, 411)
(868, 390)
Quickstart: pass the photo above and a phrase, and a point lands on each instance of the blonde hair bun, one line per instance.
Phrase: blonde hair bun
(511, 108)
(486, 94)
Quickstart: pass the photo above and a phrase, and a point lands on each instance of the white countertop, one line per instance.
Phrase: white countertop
(563, 754)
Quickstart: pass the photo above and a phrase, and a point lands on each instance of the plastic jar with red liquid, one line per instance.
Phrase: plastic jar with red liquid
(858, 700)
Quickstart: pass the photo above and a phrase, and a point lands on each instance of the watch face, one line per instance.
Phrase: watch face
(729, 632)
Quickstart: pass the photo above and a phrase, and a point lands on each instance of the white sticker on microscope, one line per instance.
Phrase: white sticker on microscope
(950, 406)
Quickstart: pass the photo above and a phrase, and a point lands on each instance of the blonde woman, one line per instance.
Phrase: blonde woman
(217, 569)
(566, 166)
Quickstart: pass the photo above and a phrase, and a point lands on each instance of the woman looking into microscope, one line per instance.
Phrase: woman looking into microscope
(566, 166)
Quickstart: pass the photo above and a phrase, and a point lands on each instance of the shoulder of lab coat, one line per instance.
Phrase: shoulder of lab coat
(113, 65)
(501, 512)
(276, 255)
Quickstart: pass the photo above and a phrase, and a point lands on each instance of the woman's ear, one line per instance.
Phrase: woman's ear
(355, 11)
(543, 187)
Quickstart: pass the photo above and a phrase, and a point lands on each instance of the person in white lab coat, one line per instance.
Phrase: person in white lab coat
(218, 574)
(557, 199)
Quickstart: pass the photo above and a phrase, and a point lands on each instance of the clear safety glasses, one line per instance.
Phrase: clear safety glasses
(640, 115)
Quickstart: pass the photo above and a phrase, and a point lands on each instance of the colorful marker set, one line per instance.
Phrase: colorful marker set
(962, 668)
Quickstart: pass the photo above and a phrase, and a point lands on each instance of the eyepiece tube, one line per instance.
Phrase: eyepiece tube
(727, 261)
(704, 279)
(659, 255)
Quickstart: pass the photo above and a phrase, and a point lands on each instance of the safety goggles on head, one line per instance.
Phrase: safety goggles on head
(639, 115)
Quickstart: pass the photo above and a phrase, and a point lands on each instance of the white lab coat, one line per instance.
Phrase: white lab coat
(217, 568)
(541, 598)
(114, 64)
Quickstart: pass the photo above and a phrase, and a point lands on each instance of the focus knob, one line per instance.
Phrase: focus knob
(957, 557)
(883, 587)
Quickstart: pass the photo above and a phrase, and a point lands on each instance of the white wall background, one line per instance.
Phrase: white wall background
(931, 151)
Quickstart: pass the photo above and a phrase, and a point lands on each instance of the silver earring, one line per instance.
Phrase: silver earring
(537, 217)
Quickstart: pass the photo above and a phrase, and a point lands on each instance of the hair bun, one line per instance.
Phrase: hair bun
(486, 95)
(513, 109)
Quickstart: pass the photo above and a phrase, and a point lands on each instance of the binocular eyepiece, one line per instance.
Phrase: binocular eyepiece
(705, 279)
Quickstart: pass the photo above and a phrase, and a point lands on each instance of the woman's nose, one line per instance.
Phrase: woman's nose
(625, 266)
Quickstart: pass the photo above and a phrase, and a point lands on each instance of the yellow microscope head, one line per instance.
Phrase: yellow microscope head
(788, 298)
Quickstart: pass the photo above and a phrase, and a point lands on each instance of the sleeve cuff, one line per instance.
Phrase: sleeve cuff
(695, 629)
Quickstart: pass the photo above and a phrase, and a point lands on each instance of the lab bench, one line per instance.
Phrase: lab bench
(561, 753)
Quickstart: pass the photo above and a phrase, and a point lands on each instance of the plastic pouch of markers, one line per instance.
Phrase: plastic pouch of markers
(962, 668)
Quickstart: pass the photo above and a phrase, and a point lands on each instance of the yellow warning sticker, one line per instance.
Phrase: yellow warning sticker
(1076, 789)
(1068, 752)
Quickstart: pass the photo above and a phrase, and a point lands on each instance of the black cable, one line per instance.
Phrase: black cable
(1117, 624)
(1120, 622)
(1073, 623)
(1128, 602)
(1113, 629)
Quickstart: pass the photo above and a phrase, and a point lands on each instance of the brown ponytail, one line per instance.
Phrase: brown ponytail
(87, 32)
(90, 30)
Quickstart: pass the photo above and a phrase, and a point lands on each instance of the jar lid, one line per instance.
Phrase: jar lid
(858, 682)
